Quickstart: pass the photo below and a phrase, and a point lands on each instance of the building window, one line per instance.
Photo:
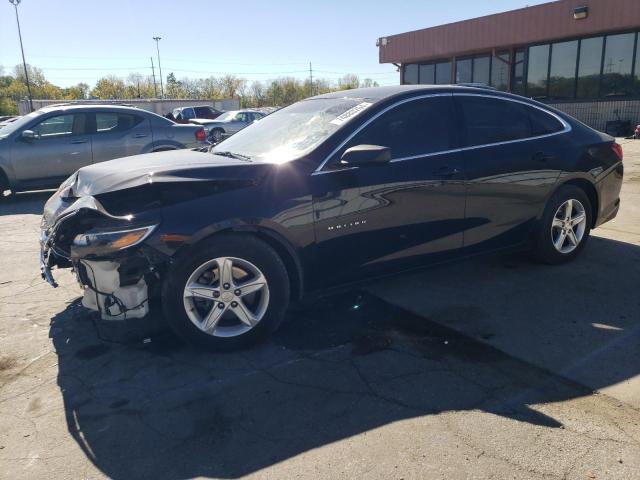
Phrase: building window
(617, 66)
(589, 67)
(482, 69)
(500, 70)
(443, 73)
(537, 71)
(464, 70)
(410, 76)
(562, 75)
(518, 85)
(427, 74)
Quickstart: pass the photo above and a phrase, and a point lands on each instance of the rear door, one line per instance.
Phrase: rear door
(381, 218)
(119, 134)
(62, 145)
(510, 156)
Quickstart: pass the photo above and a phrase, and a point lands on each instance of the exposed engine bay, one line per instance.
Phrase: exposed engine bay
(104, 292)
(116, 286)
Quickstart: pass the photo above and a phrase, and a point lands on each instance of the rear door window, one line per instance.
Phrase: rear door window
(542, 123)
(116, 122)
(492, 120)
(415, 128)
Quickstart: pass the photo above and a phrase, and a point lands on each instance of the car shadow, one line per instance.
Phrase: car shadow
(24, 203)
(340, 366)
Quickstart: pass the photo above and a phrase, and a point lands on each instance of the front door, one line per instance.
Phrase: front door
(61, 146)
(118, 134)
(378, 218)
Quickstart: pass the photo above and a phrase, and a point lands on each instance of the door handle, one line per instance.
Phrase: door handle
(543, 157)
(78, 142)
(141, 135)
(446, 171)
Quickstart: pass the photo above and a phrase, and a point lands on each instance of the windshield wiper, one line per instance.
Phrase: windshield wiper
(237, 156)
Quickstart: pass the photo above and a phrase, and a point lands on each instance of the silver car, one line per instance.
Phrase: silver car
(228, 123)
(44, 147)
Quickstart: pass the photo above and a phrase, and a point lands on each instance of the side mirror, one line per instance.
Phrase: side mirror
(29, 135)
(366, 155)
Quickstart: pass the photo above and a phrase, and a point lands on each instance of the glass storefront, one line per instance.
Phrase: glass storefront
(587, 68)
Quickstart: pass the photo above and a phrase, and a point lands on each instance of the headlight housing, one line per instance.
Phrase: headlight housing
(106, 242)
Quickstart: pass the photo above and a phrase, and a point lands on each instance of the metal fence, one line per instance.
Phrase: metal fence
(596, 114)
(161, 107)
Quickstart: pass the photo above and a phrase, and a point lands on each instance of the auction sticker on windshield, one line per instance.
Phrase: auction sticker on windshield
(352, 112)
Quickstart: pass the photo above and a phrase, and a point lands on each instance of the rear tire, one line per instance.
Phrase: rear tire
(216, 135)
(565, 226)
(200, 282)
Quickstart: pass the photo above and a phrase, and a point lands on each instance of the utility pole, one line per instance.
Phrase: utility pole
(157, 39)
(311, 78)
(155, 86)
(15, 4)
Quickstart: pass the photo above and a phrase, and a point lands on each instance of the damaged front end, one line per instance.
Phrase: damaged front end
(118, 273)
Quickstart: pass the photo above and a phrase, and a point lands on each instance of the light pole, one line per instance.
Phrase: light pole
(15, 4)
(157, 39)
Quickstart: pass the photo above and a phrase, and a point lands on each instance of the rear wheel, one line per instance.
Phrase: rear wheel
(227, 294)
(565, 226)
(216, 135)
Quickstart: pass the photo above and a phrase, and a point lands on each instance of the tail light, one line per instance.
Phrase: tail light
(617, 149)
(201, 135)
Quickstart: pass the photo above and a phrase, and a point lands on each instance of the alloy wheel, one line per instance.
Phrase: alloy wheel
(568, 226)
(226, 296)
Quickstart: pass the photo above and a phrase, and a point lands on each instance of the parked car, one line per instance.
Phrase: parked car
(228, 123)
(330, 190)
(44, 147)
(185, 114)
(6, 120)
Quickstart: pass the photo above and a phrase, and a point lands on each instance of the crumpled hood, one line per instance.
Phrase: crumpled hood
(170, 166)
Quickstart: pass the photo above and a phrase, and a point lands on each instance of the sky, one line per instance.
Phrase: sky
(81, 40)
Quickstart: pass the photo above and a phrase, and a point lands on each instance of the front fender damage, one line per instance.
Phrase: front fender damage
(118, 286)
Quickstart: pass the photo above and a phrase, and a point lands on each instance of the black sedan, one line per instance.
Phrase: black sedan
(327, 191)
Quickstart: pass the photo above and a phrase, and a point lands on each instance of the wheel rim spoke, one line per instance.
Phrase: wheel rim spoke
(244, 314)
(568, 210)
(226, 271)
(252, 286)
(210, 323)
(578, 219)
(202, 291)
(559, 243)
(572, 237)
(558, 223)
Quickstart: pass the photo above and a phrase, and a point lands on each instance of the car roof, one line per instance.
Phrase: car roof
(376, 94)
(102, 106)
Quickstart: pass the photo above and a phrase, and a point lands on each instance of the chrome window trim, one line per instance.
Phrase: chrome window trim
(567, 128)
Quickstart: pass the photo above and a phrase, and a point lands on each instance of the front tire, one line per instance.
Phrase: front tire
(226, 294)
(565, 226)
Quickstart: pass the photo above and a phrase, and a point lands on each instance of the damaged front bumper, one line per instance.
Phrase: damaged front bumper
(117, 273)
